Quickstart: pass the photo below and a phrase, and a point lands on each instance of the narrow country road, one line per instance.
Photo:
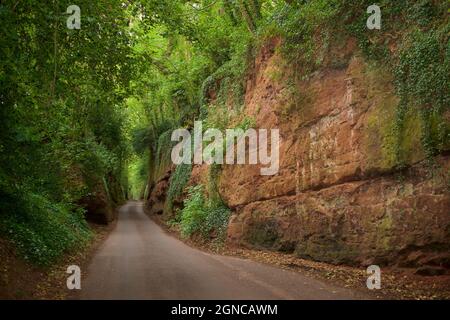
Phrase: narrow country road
(140, 261)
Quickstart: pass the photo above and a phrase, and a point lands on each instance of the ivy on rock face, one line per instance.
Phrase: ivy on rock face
(178, 182)
(210, 219)
(422, 81)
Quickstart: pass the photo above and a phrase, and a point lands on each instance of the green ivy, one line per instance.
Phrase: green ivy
(194, 213)
(163, 151)
(422, 82)
(216, 223)
(178, 182)
(202, 216)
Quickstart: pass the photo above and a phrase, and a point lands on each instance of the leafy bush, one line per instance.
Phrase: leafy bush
(95, 159)
(138, 175)
(61, 121)
(178, 182)
(163, 150)
(216, 221)
(304, 27)
(204, 217)
(194, 212)
(41, 230)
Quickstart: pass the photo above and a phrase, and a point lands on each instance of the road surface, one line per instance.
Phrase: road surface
(139, 260)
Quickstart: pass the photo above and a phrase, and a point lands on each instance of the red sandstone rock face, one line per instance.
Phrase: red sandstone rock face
(323, 137)
(199, 175)
(376, 221)
(334, 198)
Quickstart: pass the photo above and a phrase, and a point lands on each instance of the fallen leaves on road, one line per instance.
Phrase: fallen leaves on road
(395, 283)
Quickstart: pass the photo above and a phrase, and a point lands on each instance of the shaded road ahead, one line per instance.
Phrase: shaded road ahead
(140, 261)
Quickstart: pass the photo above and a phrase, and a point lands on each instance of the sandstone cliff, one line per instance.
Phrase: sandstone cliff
(340, 195)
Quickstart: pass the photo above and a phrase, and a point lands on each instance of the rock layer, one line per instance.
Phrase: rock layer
(376, 221)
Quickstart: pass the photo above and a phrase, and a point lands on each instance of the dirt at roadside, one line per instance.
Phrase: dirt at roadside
(395, 283)
(19, 280)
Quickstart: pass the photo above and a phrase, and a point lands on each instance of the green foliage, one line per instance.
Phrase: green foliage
(42, 230)
(422, 81)
(61, 123)
(212, 187)
(207, 218)
(246, 123)
(138, 175)
(182, 66)
(194, 212)
(205, 213)
(305, 27)
(216, 223)
(178, 182)
(218, 117)
(421, 65)
(163, 150)
(228, 80)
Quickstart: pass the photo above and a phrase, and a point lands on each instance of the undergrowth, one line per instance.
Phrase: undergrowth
(43, 231)
(178, 182)
(207, 218)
